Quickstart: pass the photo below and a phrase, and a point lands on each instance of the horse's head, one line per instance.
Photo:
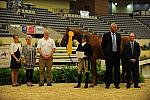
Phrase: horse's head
(77, 36)
(65, 38)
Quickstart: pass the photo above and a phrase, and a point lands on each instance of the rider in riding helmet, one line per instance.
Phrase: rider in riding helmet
(84, 57)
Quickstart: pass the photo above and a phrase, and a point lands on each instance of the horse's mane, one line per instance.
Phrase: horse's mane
(79, 32)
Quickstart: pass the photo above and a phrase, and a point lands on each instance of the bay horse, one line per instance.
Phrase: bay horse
(95, 42)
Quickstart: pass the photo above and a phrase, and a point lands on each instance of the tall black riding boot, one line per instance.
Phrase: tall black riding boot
(79, 81)
(86, 80)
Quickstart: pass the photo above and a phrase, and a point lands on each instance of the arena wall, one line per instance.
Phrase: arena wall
(3, 4)
(49, 4)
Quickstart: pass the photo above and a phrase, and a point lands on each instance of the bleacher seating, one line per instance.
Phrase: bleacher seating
(96, 26)
(11, 17)
(49, 19)
(5, 33)
(128, 25)
(99, 25)
(144, 19)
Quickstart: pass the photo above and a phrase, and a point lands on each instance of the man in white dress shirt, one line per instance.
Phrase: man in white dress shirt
(46, 48)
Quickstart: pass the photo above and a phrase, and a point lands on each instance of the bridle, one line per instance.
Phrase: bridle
(65, 39)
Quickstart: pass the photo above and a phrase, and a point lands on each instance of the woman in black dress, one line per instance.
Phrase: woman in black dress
(15, 49)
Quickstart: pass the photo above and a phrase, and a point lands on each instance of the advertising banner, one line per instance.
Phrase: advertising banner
(4, 57)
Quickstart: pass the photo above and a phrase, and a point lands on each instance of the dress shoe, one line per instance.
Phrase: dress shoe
(128, 86)
(77, 86)
(107, 87)
(137, 87)
(49, 84)
(117, 87)
(41, 84)
(91, 86)
(85, 86)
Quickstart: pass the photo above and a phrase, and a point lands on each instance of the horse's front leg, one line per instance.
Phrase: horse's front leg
(94, 72)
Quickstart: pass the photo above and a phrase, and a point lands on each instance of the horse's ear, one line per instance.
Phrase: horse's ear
(67, 29)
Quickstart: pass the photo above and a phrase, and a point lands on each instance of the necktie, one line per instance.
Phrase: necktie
(114, 42)
(132, 47)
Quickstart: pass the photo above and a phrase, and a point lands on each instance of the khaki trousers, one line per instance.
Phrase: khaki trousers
(48, 63)
(82, 63)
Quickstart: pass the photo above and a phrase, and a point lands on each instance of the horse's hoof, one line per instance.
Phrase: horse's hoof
(91, 86)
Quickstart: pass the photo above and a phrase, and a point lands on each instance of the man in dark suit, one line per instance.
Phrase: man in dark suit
(132, 53)
(84, 61)
(111, 47)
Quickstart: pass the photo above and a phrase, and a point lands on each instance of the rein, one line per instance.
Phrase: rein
(72, 60)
